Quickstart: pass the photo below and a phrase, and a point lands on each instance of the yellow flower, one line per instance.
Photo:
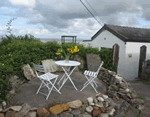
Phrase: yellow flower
(76, 49)
(58, 53)
(69, 50)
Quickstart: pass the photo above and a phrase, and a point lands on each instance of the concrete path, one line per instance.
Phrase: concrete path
(143, 90)
(28, 92)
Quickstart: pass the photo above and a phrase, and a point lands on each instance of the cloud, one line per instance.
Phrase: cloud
(28, 3)
(71, 17)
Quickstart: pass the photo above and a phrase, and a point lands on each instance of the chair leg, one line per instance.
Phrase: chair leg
(87, 83)
(89, 79)
(53, 86)
(39, 88)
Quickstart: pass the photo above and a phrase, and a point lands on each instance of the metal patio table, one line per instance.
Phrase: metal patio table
(68, 72)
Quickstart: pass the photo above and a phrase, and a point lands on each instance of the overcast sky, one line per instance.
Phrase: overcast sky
(53, 18)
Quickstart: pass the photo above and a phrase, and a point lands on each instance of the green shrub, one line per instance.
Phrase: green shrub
(106, 55)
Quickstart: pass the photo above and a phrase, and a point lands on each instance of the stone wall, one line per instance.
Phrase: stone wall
(121, 92)
(145, 74)
(119, 101)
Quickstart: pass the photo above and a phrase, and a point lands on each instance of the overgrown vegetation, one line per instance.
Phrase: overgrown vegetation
(17, 51)
(106, 55)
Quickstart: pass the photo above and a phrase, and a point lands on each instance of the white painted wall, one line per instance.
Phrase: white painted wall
(107, 39)
(132, 64)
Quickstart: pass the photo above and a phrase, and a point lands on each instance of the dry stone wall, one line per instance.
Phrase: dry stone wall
(120, 100)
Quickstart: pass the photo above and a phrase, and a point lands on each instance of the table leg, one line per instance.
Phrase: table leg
(68, 77)
(63, 76)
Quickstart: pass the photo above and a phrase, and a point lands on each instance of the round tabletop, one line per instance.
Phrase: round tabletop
(70, 63)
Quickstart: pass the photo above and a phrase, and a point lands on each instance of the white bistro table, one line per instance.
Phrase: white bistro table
(68, 72)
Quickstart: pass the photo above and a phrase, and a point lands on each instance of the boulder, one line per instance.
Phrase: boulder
(75, 104)
(32, 114)
(65, 106)
(16, 108)
(49, 65)
(10, 114)
(96, 112)
(89, 109)
(90, 99)
(66, 115)
(24, 110)
(76, 112)
(56, 109)
(28, 72)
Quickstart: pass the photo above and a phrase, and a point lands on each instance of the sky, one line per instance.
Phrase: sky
(54, 18)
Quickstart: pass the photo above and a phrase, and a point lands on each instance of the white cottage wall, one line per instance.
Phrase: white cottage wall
(107, 39)
(132, 63)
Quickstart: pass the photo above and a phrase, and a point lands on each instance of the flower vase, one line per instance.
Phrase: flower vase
(67, 59)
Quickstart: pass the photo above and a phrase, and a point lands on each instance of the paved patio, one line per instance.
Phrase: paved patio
(28, 92)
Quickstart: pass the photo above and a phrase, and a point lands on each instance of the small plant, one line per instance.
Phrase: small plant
(9, 29)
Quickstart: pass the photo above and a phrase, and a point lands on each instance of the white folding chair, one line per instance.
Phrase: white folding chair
(46, 80)
(90, 75)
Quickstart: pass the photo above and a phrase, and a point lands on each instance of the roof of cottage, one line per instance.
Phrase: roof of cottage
(126, 34)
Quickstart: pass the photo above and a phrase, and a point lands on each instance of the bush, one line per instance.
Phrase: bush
(106, 55)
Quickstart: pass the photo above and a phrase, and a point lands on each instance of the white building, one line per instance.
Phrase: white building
(129, 40)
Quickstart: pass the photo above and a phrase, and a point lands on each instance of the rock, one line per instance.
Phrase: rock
(99, 104)
(104, 115)
(1, 114)
(105, 104)
(86, 115)
(96, 107)
(34, 109)
(100, 99)
(76, 112)
(5, 110)
(69, 109)
(65, 106)
(93, 61)
(75, 104)
(91, 104)
(78, 116)
(1, 108)
(90, 100)
(10, 114)
(4, 104)
(46, 112)
(32, 114)
(89, 109)
(102, 109)
(84, 101)
(96, 112)
(95, 101)
(12, 92)
(16, 108)
(49, 65)
(24, 110)
(28, 72)
(15, 81)
(66, 115)
(119, 78)
(13, 78)
(105, 97)
(99, 95)
(112, 112)
(127, 90)
(56, 109)
(140, 107)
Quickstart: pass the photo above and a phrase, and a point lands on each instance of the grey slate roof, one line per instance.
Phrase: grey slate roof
(126, 34)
